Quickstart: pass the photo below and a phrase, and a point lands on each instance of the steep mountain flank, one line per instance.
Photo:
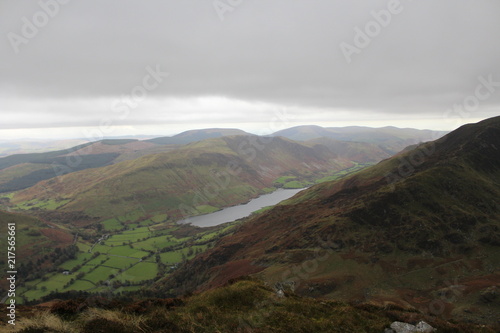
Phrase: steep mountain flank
(421, 229)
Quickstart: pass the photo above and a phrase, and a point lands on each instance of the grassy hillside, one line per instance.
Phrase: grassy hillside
(216, 172)
(241, 306)
(36, 242)
(421, 229)
(24, 170)
(361, 152)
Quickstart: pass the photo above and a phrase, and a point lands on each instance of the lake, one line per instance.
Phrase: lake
(233, 213)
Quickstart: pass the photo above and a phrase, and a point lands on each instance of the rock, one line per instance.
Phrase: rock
(400, 327)
(489, 294)
(423, 327)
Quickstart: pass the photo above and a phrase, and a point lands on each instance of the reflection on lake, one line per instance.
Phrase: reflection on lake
(237, 212)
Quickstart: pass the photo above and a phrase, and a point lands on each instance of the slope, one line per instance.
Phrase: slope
(198, 135)
(391, 139)
(421, 229)
(24, 170)
(215, 172)
(35, 242)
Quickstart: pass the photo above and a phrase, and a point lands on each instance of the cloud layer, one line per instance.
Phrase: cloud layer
(230, 61)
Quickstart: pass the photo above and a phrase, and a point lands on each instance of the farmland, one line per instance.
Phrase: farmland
(123, 260)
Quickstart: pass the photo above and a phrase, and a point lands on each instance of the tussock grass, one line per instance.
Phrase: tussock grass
(246, 305)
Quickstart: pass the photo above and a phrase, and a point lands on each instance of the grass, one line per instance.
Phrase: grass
(171, 257)
(243, 306)
(100, 274)
(120, 263)
(81, 285)
(206, 209)
(55, 281)
(284, 179)
(141, 271)
(81, 258)
(154, 243)
(342, 173)
(159, 218)
(42, 204)
(112, 224)
(295, 184)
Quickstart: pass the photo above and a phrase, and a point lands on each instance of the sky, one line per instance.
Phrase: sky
(95, 68)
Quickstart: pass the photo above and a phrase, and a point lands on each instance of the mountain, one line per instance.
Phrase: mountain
(208, 174)
(21, 171)
(244, 305)
(39, 146)
(198, 135)
(391, 139)
(36, 242)
(421, 229)
(361, 152)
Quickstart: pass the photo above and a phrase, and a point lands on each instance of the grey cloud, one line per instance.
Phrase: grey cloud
(277, 51)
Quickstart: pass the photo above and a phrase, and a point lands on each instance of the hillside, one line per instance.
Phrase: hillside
(36, 241)
(361, 152)
(197, 135)
(21, 171)
(244, 305)
(187, 181)
(421, 229)
(391, 139)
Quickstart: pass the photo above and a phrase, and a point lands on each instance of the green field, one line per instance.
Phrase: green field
(81, 258)
(81, 285)
(172, 257)
(100, 274)
(126, 251)
(154, 243)
(206, 209)
(120, 262)
(112, 224)
(140, 272)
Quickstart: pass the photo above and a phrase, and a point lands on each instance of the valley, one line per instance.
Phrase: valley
(121, 240)
(370, 227)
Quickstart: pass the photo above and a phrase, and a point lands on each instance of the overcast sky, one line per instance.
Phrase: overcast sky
(87, 68)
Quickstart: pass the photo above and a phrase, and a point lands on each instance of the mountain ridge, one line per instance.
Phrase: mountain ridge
(394, 222)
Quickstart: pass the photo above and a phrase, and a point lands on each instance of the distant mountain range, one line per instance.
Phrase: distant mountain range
(390, 138)
(20, 171)
(421, 229)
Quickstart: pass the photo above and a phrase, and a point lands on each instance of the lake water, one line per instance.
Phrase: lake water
(237, 212)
